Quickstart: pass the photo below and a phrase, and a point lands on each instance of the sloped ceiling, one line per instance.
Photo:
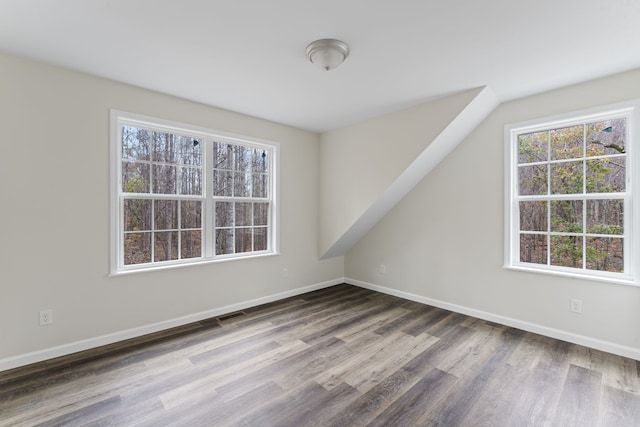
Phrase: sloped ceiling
(366, 169)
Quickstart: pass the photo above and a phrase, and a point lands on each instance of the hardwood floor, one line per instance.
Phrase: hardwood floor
(341, 356)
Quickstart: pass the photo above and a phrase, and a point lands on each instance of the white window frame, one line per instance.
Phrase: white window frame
(630, 110)
(121, 118)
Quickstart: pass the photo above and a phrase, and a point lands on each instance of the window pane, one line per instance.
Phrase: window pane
(260, 239)
(606, 137)
(566, 178)
(190, 180)
(242, 185)
(164, 147)
(191, 244)
(566, 251)
(567, 143)
(224, 241)
(533, 216)
(222, 156)
(243, 156)
(135, 177)
(190, 151)
(606, 175)
(260, 185)
(533, 147)
(243, 240)
(260, 213)
(137, 215)
(605, 254)
(532, 180)
(243, 214)
(190, 214)
(605, 216)
(566, 216)
(166, 246)
(137, 248)
(164, 179)
(222, 183)
(224, 214)
(165, 214)
(135, 143)
(533, 248)
(260, 161)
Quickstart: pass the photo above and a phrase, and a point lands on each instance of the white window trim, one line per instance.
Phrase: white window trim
(632, 215)
(118, 117)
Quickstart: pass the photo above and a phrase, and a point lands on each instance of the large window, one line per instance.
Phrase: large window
(570, 204)
(182, 194)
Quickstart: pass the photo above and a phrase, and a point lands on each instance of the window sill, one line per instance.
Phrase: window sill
(607, 279)
(148, 269)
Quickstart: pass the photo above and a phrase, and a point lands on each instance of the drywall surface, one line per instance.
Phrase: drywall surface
(55, 214)
(444, 240)
(359, 163)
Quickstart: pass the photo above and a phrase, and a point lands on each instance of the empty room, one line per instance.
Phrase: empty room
(320, 213)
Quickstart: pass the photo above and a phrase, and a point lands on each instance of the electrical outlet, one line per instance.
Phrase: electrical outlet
(576, 305)
(383, 269)
(285, 272)
(46, 317)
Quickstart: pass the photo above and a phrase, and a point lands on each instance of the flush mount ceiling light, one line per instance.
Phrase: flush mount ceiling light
(327, 53)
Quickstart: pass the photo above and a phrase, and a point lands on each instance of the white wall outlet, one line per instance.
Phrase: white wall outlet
(46, 317)
(285, 272)
(383, 269)
(576, 305)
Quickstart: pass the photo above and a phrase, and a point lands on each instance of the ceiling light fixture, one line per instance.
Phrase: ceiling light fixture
(327, 53)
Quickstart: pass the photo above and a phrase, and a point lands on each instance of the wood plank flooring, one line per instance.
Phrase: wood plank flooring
(341, 356)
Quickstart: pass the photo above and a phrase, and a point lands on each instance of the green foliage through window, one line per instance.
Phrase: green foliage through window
(571, 190)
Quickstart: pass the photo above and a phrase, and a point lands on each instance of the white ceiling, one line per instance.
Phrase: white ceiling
(249, 55)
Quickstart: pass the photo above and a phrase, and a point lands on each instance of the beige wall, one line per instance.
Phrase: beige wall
(360, 162)
(444, 240)
(55, 214)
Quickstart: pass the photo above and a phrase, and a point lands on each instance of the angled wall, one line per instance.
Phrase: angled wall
(365, 169)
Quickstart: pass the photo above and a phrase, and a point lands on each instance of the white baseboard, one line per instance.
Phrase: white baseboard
(74, 347)
(66, 349)
(609, 347)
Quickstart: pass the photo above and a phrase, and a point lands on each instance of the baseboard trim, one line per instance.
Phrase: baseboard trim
(74, 347)
(609, 347)
(87, 344)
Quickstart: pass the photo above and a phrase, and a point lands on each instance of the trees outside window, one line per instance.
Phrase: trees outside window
(241, 198)
(182, 195)
(569, 195)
